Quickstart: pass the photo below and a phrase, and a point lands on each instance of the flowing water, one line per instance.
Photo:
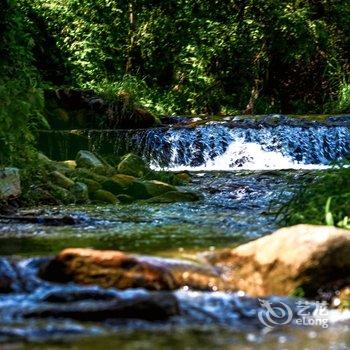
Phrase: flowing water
(242, 174)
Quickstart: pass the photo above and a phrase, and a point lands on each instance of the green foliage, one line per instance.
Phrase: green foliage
(343, 101)
(323, 199)
(20, 99)
(174, 56)
(193, 57)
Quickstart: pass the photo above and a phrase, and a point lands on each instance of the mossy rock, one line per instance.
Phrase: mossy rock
(92, 185)
(81, 192)
(61, 194)
(124, 180)
(157, 188)
(173, 197)
(125, 199)
(125, 184)
(10, 183)
(61, 180)
(119, 184)
(105, 197)
(138, 190)
(88, 160)
(88, 174)
(133, 165)
(43, 159)
(184, 177)
(164, 176)
(70, 164)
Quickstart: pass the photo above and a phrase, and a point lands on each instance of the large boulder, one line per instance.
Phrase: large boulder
(92, 185)
(10, 183)
(303, 258)
(126, 184)
(80, 174)
(120, 270)
(157, 188)
(104, 197)
(119, 184)
(133, 165)
(107, 269)
(81, 192)
(86, 159)
(60, 194)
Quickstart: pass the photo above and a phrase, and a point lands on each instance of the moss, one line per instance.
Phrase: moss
(89, 174)
(61, 194)
(92, 185)
(61, 180)
(80, 192)
(119, 184)
(133, 165)
(105, 197)
(157, 188)
(165, 176)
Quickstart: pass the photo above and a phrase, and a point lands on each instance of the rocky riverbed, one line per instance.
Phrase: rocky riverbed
(171, 278)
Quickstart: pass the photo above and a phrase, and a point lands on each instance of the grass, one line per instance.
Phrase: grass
(323, 199)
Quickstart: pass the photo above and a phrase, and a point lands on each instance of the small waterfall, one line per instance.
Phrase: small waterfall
(218, 146)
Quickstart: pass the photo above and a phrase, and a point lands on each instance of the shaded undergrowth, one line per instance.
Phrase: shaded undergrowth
(323, 198)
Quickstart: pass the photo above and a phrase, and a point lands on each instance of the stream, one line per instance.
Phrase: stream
(243, 174)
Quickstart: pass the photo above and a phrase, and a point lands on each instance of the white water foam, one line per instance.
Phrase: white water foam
(242, 155)
(218, 147)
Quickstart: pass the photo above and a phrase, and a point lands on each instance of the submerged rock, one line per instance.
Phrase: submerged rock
(10, 183)
(150, 307)
(86, 159)
(133, 165)
(302, 257)
(173, 197)
(9, 279)
(43, 220)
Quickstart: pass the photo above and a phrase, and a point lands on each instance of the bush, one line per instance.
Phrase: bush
(21, 101)
(322, 199)
(193, 57)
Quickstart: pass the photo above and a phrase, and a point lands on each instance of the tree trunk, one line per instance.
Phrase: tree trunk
(132, 31)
